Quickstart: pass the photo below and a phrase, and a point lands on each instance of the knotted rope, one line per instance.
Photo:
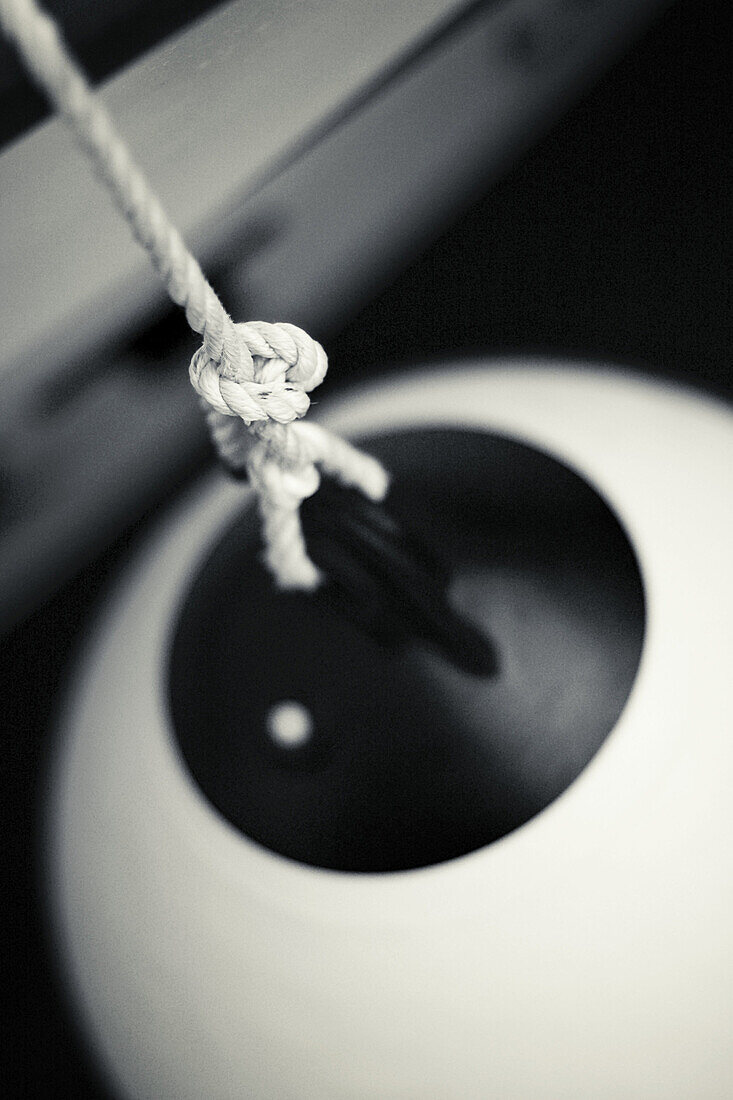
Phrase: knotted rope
(254, 378)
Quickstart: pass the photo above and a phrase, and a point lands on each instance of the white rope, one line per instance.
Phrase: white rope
(254, 374)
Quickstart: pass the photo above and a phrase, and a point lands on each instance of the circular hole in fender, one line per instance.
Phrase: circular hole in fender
(411, 762)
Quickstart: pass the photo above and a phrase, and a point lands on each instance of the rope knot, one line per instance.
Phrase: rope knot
(260, 372)
(255, 379)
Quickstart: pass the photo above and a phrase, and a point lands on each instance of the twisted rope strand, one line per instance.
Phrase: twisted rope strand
(39, 43)
(259, 373)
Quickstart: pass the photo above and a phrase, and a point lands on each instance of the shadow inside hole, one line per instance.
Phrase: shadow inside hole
(412, 762)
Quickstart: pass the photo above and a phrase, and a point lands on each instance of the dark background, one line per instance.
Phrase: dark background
(609, 241)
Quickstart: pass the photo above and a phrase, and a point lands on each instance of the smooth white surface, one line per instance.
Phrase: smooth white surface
(587, 955)
(289, 724)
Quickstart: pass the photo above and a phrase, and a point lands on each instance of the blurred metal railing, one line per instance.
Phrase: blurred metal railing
(306, 151)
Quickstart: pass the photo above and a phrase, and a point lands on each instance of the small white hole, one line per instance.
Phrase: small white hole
(289, 724)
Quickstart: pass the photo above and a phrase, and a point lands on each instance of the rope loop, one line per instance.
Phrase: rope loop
(276, 367)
